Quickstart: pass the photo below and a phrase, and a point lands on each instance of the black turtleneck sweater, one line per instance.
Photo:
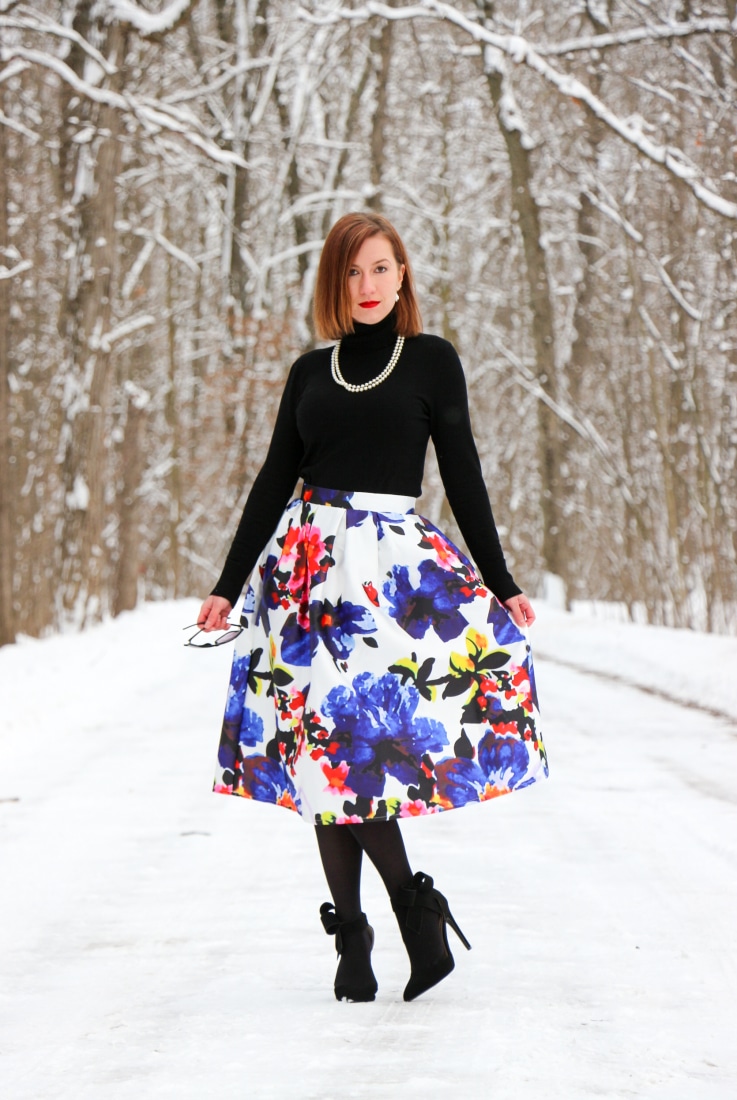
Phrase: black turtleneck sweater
(373, 441)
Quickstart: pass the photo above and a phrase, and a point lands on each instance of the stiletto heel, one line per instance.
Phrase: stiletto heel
(449, 918)
(423, 915)
(354, 941)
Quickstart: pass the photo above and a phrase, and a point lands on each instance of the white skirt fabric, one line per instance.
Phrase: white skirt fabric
(376, 675)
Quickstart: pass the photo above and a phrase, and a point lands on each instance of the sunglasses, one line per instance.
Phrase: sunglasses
(230, 635)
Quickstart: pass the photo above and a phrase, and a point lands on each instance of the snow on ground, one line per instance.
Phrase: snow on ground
(678, 664)
(161, 941)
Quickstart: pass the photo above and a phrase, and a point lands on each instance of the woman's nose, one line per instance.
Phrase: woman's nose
(366, 283)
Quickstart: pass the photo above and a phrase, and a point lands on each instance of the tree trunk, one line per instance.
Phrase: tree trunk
(581, 362)
(527, 211)
(133, 460)
(7, 541)
(380, 44)
(91, 193)
(172, 417)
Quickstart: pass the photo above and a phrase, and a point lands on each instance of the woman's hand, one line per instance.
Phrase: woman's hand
(520, 608)
(214, 613)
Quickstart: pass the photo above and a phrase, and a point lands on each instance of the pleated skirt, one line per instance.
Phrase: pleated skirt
(376, 676)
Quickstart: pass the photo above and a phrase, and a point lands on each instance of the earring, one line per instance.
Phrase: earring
(396, 296)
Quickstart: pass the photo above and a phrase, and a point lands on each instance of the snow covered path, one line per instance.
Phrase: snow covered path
(160, 941)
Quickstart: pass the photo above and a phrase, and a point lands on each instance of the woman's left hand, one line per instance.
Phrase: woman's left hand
(520, 608)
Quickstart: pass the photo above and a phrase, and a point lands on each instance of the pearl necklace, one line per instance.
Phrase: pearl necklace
(335, 369)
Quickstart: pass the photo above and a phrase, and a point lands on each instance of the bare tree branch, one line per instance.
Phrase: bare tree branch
(10, 273)
(153, 115)
(661, 32)
(519, 51)
(609, 211)
(30, 19)
(148, 22)
(18, 127)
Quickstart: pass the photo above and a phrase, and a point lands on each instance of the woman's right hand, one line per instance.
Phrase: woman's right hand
(214, 614)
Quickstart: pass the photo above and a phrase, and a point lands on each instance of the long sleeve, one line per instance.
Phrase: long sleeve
(460, 470)
(373, 441)
(268, 497)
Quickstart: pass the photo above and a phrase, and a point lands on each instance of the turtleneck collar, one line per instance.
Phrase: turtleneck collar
(369, 337)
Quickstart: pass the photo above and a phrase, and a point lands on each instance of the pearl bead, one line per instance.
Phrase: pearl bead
(335, 369)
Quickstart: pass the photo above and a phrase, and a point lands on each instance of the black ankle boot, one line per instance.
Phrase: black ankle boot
(354, 939)
(423, 915)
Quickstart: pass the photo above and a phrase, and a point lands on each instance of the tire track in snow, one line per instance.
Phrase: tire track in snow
(647, 689)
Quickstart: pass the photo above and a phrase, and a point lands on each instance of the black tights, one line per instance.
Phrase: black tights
(341, 851)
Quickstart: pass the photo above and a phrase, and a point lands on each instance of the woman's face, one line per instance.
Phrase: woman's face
(374, 278)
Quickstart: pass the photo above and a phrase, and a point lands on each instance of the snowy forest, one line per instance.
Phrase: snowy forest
(565, 177)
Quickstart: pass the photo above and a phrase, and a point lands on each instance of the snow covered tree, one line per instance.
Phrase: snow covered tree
(564, 178)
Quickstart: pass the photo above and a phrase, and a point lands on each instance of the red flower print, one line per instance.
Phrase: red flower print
(445, 551)
(337, 776)
(509, 728)
(371, 592)
(306, 556)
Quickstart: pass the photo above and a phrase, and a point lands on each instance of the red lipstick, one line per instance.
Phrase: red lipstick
(369, 305)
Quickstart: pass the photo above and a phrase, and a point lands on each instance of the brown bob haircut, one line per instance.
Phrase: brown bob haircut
(332, 307)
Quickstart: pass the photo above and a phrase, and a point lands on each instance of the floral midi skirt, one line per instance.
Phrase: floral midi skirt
(376, 675)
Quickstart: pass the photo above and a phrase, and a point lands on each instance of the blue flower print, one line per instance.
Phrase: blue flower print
(249, 605)
(242, 726)
(239, 673)
(226, 756)
(505, 758)
(334, 626)
(237, 692)
(355, 517)
(251, 729)
(336, 498)
(459, 781)
(529, 669)
(434, 604)
(376, 732)
(266, 780)
(506, 632)
(272, 586)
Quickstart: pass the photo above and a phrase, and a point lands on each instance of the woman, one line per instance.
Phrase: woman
(377, 676)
